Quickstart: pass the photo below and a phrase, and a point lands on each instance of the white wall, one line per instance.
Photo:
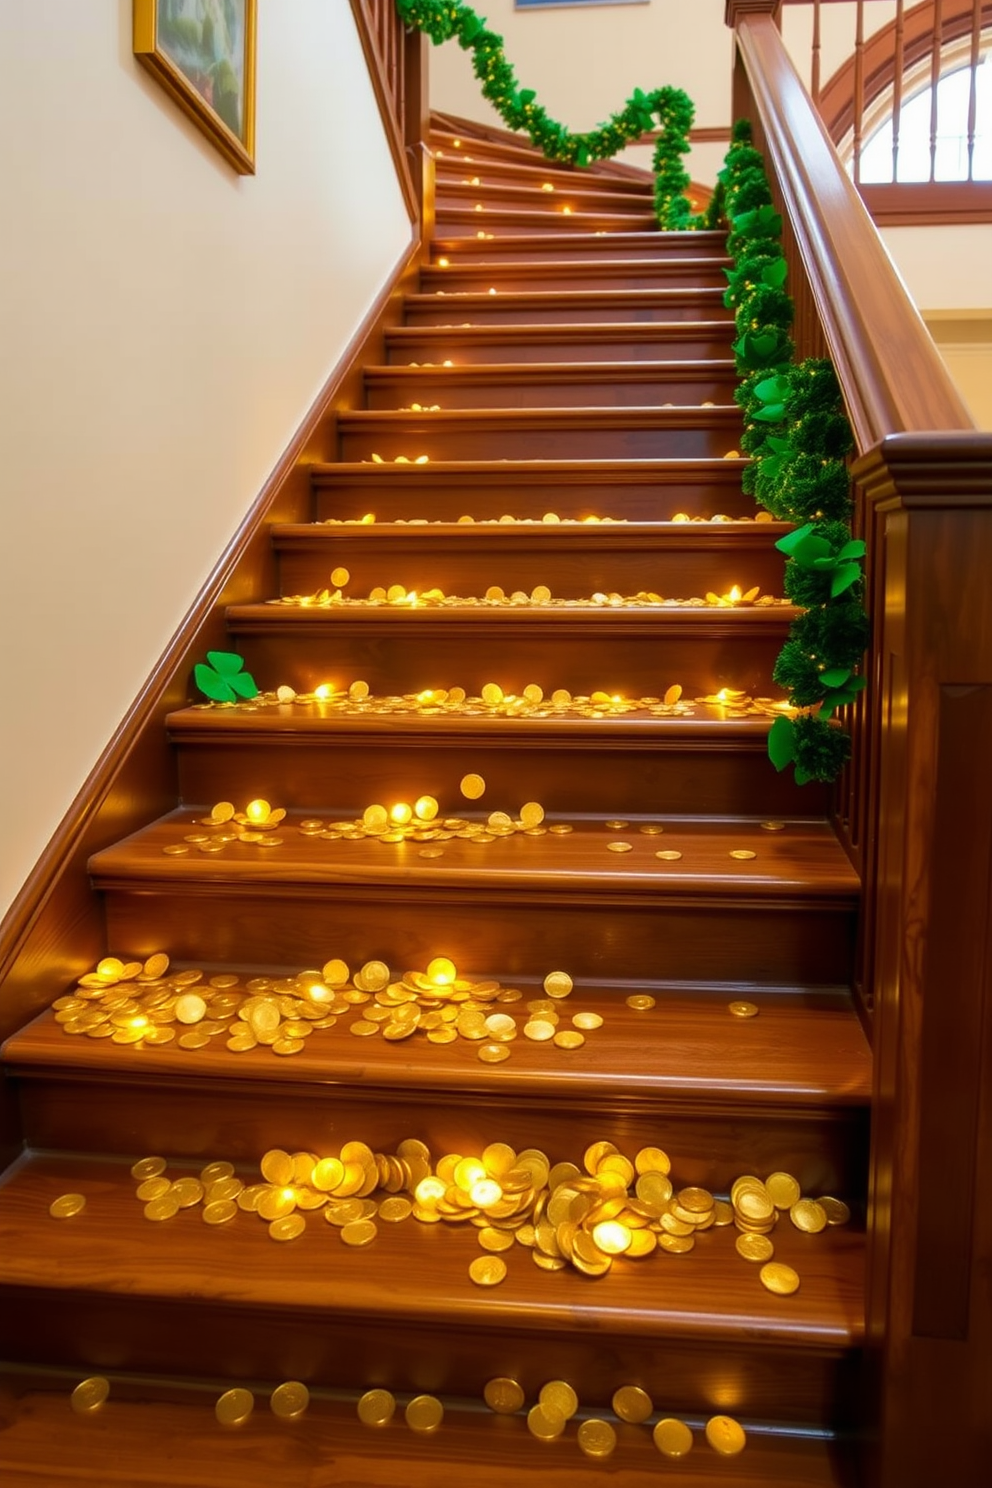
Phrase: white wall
(165, 325)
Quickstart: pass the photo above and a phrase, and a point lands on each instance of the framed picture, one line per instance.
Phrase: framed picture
(203, 54)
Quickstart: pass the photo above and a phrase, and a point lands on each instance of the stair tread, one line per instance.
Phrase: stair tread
(573, 300)
(163, 1434)
(707, 244)
(570, 472)
(803, 1050)
(805, 860)
(577, 371)
(513, 620)
(648, 415)
(495, 536)
(411, 1273)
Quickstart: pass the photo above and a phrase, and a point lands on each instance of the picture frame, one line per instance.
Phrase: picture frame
(203, 54)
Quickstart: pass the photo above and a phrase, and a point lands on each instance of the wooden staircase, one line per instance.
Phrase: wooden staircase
(567, 367)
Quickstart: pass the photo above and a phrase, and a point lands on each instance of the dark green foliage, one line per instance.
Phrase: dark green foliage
(764, 306)
(832, 635)
(805, 489)
(670, 107)
(821, 749)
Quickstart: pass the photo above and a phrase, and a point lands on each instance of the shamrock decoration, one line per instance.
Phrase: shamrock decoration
(224, 680)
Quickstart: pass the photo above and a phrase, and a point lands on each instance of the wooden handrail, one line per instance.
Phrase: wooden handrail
(893, 378)
(397, 64)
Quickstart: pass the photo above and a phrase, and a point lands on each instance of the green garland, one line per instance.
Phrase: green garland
(798, 437)
(519, 110)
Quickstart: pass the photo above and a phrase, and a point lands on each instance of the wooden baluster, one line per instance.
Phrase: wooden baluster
(976, 32)
(938, 29)
(859, 85)
(815, 68)
(897, 85)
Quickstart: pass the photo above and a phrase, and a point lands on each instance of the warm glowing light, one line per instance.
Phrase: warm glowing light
(487, 1191)
(324, 691)
(492, 291)
(475, 181)
(611, 1238)
(422, 460)
(139, 1022)
(401, 813)
(443, 263)
(567, 211)
(258, 811)
(468, 1172)
(442, 971)
(546, 186)
(457, 144)
(735, 594)
(447, 363)
(429, 1190)
(722, 695)
(478, 206)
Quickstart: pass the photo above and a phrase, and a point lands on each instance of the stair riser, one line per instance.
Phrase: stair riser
(668, 307)
(569, 346)
(455, 193)
(244, 1343)
(444, 496)
(454, 221)
(452, 165)
(200, 1119)
(494, 440)
(584, 571)
(653, 247)
(779, 943)
(617, 274)
(342, 772)
(650, 389)
(397, 659)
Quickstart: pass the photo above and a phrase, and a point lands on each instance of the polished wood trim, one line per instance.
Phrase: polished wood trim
(928, 204)
(892, 375)
(55, 924)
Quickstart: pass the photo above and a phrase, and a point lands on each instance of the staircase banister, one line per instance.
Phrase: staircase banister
(892, 375)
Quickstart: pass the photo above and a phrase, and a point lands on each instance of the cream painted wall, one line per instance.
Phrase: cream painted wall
(165, 325)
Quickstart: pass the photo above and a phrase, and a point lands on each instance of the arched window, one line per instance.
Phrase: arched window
(951, 141)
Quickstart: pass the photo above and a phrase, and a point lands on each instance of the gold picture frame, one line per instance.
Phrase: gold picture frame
(203, 54)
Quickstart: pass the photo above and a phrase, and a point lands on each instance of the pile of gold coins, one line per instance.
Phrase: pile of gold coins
(142, 1003)
(357, 700)
(256, 824)
(549, 519)
(496, 597)
(564, 1215)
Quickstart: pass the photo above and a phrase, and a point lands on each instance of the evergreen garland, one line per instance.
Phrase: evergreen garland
(798, 437)
(518, 108)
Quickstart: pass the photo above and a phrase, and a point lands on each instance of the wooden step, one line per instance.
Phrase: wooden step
(456, 191)
(509, 274)
(541, 433)
(580, 246)
(787, 1089)
(556, 307)
(163, 1433)
(553, 385)
(572, 559)
(572, 490)
(529, 168)
(111, 1287)
(456, 221)
(784, 917)
(720, 765)
(638, 651)
(470, 146)
(472, 345)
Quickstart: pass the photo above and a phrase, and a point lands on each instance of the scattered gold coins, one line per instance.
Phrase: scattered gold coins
(67, 1205)
(540, 596)
(632, 1404)
(89, 1395)
(234, 1407)
(376, 1408)
(504, 1396)
(725, 1435)
(596, 1438)
(289, 1401)
(743, 1009)
(779, 1278)
(672, 1437)
(424, 1413)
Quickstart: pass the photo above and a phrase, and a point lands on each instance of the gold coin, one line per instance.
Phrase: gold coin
(676, 1244)
(652, 829)
(632, 1404)
(558, 1395)
(596, 1438)
(395, 1209)
(532, 814)
(154, 1035)
(783, 1190)
(504, 1396)
(339, 577)
(287, 1046)
(215, 1171)
(289, 1400)
(234, 1407)
(472, 787)
(653, 1160)
(668, 855)
(89, 1395)
(276, 1167)
(376, 1407)
(569, 1039)
(431, 852)
(545, 1424)
(743, 1009)
(66, 1205)
(175, 850)
(558, 984)
(487, 1270)
(197, 1038)
(493, 1053)
(190, 1008)
(496, 1240)
(187, 1192)
(164, 1208)
(152, 1188)
(836, 1210)
(809, 1216)
(672, 1437)
(619, 847)
(742, 853)
(725, 1435)
(539, 1030)
(587, 1021)
(424, 1413)
(640, 1002)
(773, 826)
(148, 1167)
(363, 1028)
(288, 1227)
(220, 1211)
(754, 1247)
(359, 1232)
(779, 1278)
